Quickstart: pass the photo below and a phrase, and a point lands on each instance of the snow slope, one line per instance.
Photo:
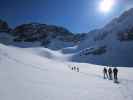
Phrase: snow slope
(117, 52)
(26, 75)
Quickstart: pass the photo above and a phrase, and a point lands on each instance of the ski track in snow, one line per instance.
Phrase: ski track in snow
(126, 84)
(123, 85)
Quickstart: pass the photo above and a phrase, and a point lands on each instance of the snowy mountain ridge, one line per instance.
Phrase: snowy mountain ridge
(110, 45)
(116, 38)
(121, 24)
(49, 36)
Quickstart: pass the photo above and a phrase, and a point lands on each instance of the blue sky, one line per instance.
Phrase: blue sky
(75, 15)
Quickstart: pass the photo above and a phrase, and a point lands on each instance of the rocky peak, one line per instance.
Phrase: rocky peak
(4, 26)
(33, 28)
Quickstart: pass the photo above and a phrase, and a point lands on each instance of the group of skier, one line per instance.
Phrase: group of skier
(75, 68)
(107, 73)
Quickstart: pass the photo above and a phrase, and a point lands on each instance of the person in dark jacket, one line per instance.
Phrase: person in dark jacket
(110, 73)
(77, 69)
(74, 68)
(105, 73)
(115, 71)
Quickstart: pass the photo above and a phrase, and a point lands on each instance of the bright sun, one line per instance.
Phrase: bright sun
(106, 5)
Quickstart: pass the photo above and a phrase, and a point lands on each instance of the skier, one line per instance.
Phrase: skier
(77, 69)
(110, 73)
(115, 71)
(74, 68)
(105, 73)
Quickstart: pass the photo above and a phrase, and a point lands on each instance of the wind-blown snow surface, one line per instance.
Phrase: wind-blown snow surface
(26, 74)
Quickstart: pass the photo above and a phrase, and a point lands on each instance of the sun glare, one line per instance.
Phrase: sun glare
(106, 5)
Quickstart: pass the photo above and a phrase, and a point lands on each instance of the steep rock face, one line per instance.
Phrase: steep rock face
(116, 37)
(48, 35)
(5, 31)
(4, 26)
(36, 31)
